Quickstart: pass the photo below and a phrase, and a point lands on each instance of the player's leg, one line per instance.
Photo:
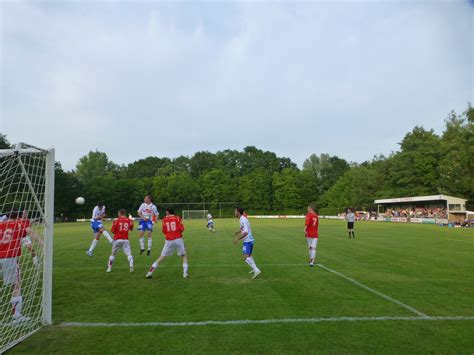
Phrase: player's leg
(141, 229)
(247, 253)
(349, 229)
(150, 240)
(107, 235)
(12, 277)
(312, 243)
(168, 250)
(184, 256)
(352, 230)
(115, 248)
(97, 234)
(128, 253)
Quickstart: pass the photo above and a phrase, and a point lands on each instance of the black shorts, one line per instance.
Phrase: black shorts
(350, 225)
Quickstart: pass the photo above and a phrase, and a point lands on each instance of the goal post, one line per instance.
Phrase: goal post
(26, 241)
(195, 214)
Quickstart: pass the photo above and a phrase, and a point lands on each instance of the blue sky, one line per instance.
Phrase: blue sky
(135, 79)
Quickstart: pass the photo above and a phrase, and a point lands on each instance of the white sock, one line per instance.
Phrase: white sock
(130, 260)
(153, 267)
(107, 235)
(111, 261)
(17, 303)
(142, 243)
(94, 243)
(251, 263)
(185, 267)
(312, 254)
(150, 241)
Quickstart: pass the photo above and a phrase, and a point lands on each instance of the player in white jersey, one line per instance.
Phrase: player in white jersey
(210, 223)
(148, 214)
(98, 214)
(3, 218)
(245, 233)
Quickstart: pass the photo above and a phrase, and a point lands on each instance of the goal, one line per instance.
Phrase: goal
(26, 241)
(195, 214)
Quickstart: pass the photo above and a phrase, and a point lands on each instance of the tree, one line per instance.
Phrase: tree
(147, 167)
(4, 143)
(414, 170)
(94, 164)
(202, 162)
(326, 170)
(456, 166)
(66, 188)
(255, 190)
(217, 186)
(286, 190)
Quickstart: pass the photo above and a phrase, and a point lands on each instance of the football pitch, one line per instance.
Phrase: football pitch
(396, 288)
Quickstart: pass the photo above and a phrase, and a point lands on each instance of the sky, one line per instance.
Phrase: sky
(134, 79)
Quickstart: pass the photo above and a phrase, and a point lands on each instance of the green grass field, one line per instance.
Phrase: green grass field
(428, 269)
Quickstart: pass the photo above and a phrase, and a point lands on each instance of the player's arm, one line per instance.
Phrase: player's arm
(163, 227)
(140, 209)
(243, 233)
(131, 225)
(32, 234)
(26, 242)
(114, 227)
(181, 225)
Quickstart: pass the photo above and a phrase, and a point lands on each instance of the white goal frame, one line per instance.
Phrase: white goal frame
(47, 213)
(205, 212)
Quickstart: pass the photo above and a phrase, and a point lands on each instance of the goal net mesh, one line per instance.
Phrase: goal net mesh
(22, 230)
(194, 214)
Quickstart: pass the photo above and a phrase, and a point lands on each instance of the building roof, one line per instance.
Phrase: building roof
(449, 199)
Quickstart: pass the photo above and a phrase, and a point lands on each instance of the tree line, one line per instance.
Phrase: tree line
(426, 163)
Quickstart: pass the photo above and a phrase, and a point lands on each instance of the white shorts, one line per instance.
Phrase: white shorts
(9, 270)
(312, 242)
(171, 245)
(121, 244)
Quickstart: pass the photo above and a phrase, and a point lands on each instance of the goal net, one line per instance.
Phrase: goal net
(26, 231)
(195, 214)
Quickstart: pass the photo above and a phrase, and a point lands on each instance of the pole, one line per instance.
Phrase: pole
(48, 239)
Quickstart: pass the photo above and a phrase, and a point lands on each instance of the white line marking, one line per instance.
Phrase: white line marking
(388, 298)
(267, 321)
(243, 265)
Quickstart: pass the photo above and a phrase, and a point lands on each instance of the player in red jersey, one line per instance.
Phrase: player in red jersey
(120, 228)
(172, 228)
(311, 232)
(12, 232)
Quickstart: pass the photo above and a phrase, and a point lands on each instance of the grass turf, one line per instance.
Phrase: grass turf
(427, 267)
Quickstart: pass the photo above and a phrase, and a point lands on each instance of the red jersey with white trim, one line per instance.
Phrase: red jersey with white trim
(11, 233)
(121, 227)
(312, 224)
(172, 227)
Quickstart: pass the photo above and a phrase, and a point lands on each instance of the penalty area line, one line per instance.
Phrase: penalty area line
(384, 296)
(264, 321)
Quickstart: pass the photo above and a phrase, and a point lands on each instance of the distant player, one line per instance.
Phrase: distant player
(245, 233)
(173, 229)
(148, 214)
(120, 228)
(311, 232)
(12, 232)
(350, 217)
(98, 214)
(210, 223)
